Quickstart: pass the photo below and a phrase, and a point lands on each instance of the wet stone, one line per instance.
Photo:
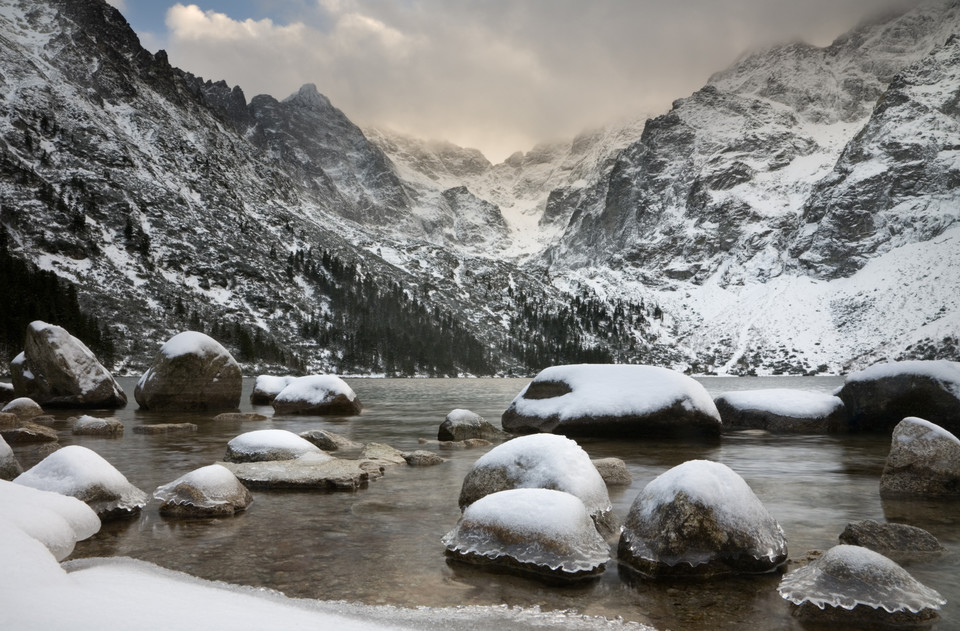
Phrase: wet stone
(422, 458)
(92, 426)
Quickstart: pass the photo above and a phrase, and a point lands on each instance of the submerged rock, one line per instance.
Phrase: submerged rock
(782, 411)
(317, 394)
(422, 458)
(882, 395)
(463, 424)
(700, 519)
(851, 585)
(541, 532)
(9, 466)
(192, 371)
(613, 400)
(328, 441)
(267, 387)
(239, 417)
(889, 538)
(924, 460)
(166, 428)
(211, 491)
(308, 472)
(63, 372)
(92, 426)
(613, 471)
(543, 461)
(82, 473)
(270, 444)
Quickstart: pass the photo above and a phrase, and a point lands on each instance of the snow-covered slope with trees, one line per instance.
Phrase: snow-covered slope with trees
(798, 213)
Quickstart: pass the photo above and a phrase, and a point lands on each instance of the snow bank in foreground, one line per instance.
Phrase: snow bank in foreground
(117, 594)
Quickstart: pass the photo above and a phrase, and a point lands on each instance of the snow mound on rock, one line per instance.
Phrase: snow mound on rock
(206, 487)
(271, 444)
(82, 473)
(538, 526)
(847, 576)
(785, 402)
(53, 519)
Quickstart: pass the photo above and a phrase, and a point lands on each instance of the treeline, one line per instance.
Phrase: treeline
(31, 294)
(369, 325)
(587, 330)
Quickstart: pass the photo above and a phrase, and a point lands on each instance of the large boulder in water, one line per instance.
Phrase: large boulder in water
(700, 519)
(57, 369)
(924, 460)
(541, 532)
(541, 461)
(82, 473)
(853, 587)
(613, 400)
(192, 371)
(317, 394)
(782, 411)
(882, 395)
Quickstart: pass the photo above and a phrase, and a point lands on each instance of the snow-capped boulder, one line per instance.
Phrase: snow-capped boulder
(53, 519)
(700, 518)
(531, 531)
(782, 411)
(924, 460)
(270, 444)
(850, 586)
(463, 424)
(211, 491)
(23, 408)
(317, 394)
(92, 426)
(192, 371)
(64, 372)
(544, 461)
(613, 400)
(9, 466)
(82, 473)
(889, 538)
(882, 395)
(267, 387)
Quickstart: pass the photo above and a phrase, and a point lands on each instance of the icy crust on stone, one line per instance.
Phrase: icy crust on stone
(82, 473)
(544, 461)
(934, 432)
(945, 371)
(785, 402)
(272, 444)
(614, 390)
(537, 526)
(53, 519)
(725, 502)
(206, 487)
(846, 576)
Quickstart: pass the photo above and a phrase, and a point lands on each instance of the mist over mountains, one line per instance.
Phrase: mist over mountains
(799, 213)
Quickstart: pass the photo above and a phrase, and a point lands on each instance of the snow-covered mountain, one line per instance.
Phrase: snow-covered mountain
(798, 213)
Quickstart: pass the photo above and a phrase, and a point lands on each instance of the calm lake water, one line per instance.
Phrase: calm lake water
(381, 544)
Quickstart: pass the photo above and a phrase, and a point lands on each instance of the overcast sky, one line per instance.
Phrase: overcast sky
(498, 75)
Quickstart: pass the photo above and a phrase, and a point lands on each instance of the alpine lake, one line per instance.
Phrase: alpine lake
(380, 545)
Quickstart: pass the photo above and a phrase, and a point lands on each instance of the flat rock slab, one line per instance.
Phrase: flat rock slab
(166, 428)
(29, 432)
(330, 475)
(239, 416)
(886, 538)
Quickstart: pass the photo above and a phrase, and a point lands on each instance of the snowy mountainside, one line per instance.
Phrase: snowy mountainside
(170, 203)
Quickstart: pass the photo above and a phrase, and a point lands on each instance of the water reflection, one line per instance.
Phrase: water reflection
(381, 545)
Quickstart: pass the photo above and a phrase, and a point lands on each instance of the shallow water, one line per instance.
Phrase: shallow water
(381, 544)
